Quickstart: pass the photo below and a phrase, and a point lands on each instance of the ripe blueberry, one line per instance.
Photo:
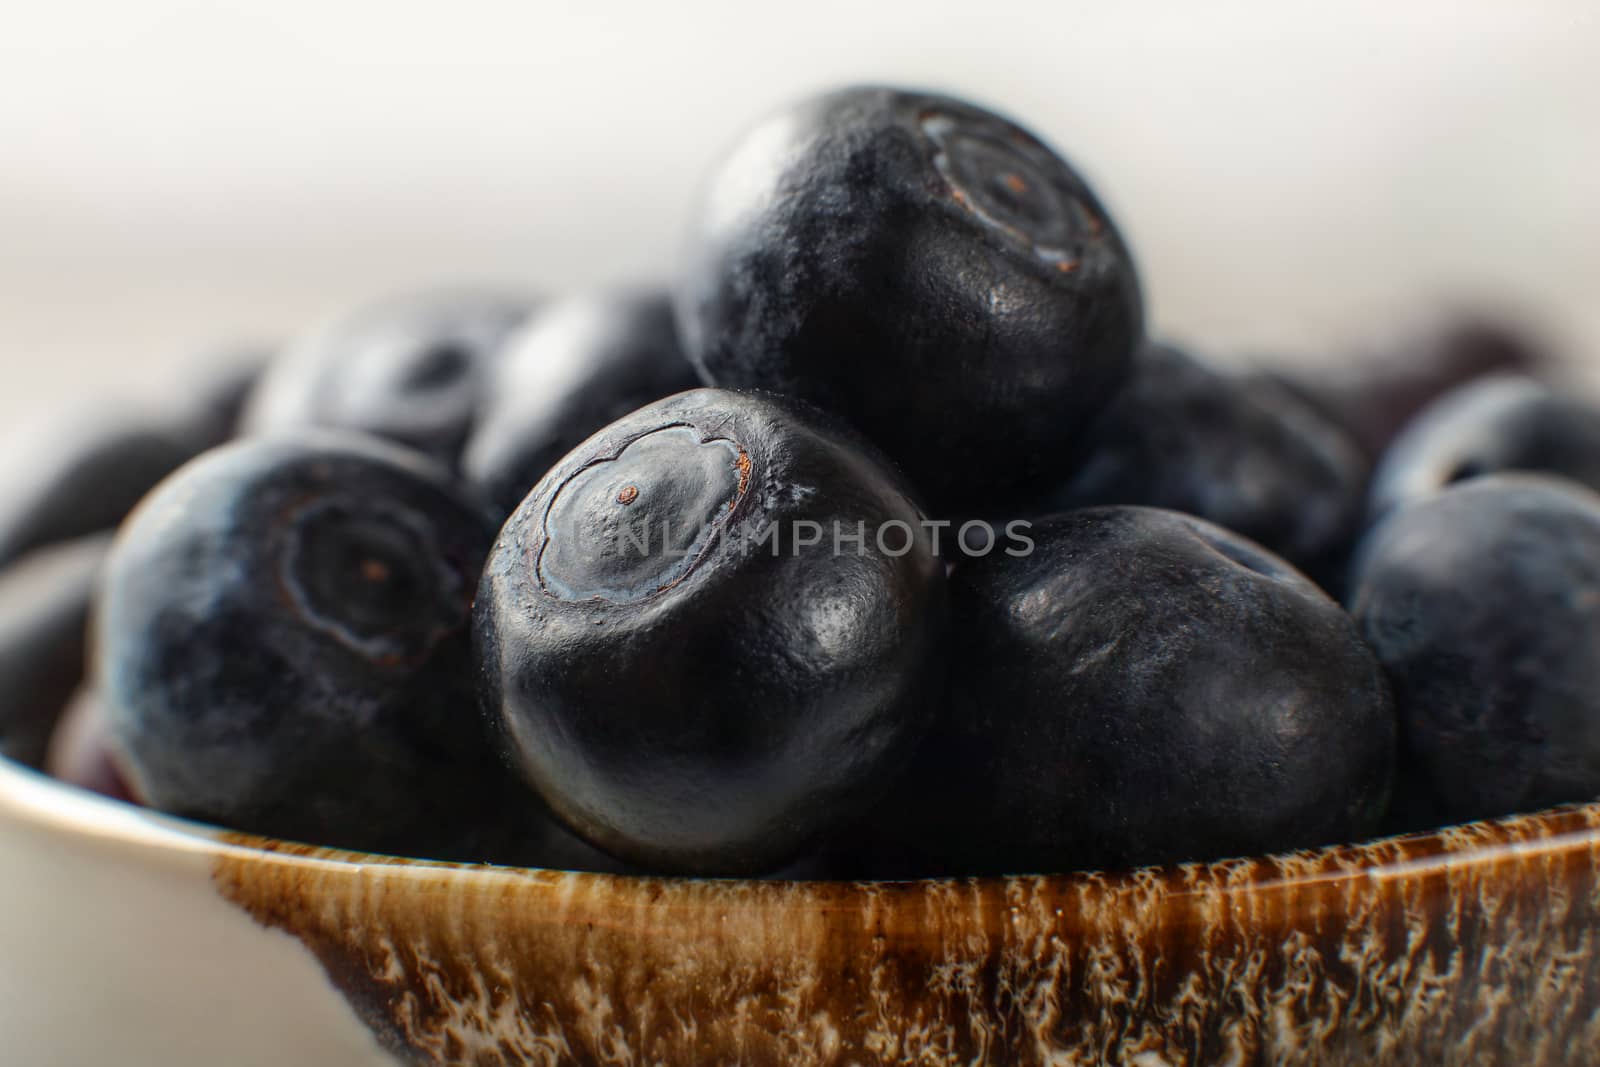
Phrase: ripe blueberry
(283, 648)
(410, 369)
(924, 268)
(1145, 687)
(698, 648)
(1483, 604)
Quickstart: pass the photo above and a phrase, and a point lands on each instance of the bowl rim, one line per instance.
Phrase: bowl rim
(34, 799)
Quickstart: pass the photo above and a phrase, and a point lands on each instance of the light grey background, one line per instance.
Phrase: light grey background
(1296, 177)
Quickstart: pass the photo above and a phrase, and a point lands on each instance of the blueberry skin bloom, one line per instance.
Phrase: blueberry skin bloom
(283, 645)
(410, 369)
(715, 701)
(1496, 425)
(1483, 604)
(579, 365)
(1240, 451)
(1145, 687)
(924, 268)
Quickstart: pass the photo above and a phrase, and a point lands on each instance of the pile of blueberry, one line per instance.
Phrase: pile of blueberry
(883, 543)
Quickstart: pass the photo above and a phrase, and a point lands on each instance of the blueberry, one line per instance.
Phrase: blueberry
(283, 646)
(44, 613)
(1145, 687)
(1483, 604)
(690, 655)
(924, 268)
(409, 369)
(1506, 423)
(580, 365)
(81, 473)
(1374, 394)
(1240, 451)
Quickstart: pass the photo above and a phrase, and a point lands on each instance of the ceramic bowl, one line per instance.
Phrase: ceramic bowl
(130, 938)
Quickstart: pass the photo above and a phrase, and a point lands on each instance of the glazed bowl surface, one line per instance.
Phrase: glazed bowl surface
(129, 937)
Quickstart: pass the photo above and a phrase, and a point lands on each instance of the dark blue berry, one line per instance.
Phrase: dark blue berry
(684, 661)
(1144, 687)
(925, 268)
(1483, 604)
(283, 647)
(411, 369)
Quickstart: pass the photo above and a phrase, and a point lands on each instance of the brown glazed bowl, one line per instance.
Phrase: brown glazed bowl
(130, 938)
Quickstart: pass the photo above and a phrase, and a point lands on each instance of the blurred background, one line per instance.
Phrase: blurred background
(1296, 178)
